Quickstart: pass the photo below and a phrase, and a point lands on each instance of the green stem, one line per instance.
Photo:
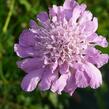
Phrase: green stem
(8, 17)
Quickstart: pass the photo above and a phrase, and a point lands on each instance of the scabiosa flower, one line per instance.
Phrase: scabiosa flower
(59, 51)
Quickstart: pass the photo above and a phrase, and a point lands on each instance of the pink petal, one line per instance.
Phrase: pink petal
(78, 10)
(81, 79)
(101, 41)
(30, 64)
(43, 16)
(98, 40)
(27, 51)
(53, 11)
(27, 38)
(59, 84)
(23, 52)
(64, 68)
(76, 14)
(67, 4)
(96, 57)
(33, 25)
(85, 17)
(47, 78)
(94, 74)
(31, 80)
(54, 66)
(71, 84)
(89, 27)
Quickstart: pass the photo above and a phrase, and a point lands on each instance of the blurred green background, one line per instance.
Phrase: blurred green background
(14, 17)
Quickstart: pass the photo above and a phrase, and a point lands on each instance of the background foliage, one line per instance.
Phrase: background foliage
(15, 16)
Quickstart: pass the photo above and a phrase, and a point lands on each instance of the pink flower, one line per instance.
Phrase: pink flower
(59, 52)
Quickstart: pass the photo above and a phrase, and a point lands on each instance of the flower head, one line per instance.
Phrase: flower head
(59, 51)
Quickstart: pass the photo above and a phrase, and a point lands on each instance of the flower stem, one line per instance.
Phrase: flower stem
(8, 17)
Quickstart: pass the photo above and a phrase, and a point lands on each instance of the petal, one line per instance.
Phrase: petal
(30, 64)
(95, 57)
(85, 17)
(23, 52)
(64, 68)
(78, 10)
(95, 24)
(47, 78)
(27, 51)
(53, 11)
(81, 79)
(67, 4)
(83, 7)
(94, 74)
(76, 14)
(60, 84)
(66, 10)
(31, 80)
(42, 17)
(89, 27)
(71, 84)
(92, 53)
(27, 38)
(33, 24)
(68, 14)
(98, 40)
(103, 59)
(101, 41)
(54, 66)
(92, 37)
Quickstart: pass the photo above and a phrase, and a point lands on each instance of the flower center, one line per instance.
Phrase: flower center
(66, 44)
